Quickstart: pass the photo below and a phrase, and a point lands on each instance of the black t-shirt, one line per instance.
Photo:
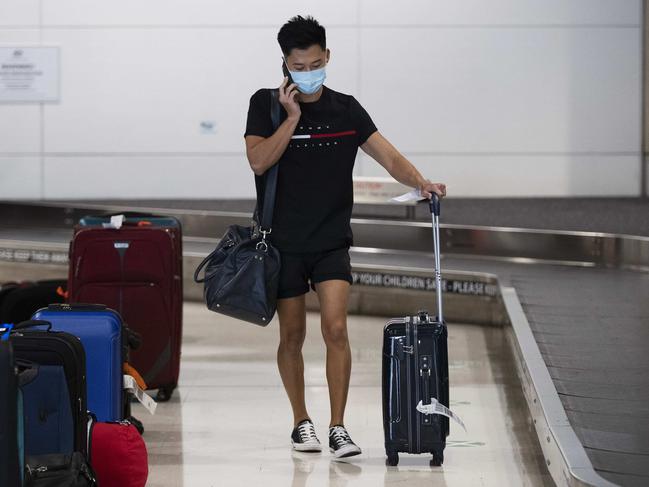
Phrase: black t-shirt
(315, 193)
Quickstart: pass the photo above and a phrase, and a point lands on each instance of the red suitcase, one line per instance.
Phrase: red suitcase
(136, 270)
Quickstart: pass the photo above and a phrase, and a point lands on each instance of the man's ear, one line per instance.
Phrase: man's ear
(328, 55)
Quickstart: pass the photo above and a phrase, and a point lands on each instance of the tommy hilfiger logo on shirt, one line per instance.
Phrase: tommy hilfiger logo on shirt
(323, 137)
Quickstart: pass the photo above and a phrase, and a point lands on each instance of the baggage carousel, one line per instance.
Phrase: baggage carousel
(570, 302)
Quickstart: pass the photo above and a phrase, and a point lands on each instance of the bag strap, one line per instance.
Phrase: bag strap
(271, 177)
(202, 264)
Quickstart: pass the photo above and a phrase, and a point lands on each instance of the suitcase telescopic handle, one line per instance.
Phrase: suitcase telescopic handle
(434, 204)
(435, 208)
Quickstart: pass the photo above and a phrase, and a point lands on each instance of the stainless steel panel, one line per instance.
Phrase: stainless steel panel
(500, 243)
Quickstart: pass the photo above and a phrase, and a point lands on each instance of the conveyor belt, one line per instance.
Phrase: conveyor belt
(613, 215)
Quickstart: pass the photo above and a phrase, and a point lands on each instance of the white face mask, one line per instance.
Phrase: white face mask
(308, 82)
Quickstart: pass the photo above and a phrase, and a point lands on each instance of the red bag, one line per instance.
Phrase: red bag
(118, 455)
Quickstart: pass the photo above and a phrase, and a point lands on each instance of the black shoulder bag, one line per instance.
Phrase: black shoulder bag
(242, 273)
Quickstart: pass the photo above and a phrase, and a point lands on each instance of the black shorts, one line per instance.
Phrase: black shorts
(300, 269)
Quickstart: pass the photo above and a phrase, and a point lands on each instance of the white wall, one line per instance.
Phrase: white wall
(494, 97)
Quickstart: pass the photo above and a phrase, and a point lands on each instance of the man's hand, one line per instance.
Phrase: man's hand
(427, 189)
(287, 99)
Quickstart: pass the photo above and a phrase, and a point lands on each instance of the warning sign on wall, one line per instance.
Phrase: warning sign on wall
(29, 74)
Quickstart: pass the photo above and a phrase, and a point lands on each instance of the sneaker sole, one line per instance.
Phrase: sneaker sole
(306, 448)
(345, 452)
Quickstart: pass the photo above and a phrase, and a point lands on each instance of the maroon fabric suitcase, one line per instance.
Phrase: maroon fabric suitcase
(136, 270)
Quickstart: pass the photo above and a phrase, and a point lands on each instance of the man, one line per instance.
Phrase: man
(315, 146)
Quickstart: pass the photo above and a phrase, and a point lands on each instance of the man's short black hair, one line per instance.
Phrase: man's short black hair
(301, 33)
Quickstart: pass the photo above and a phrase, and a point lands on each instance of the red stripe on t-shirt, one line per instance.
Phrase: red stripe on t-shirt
(336, 134)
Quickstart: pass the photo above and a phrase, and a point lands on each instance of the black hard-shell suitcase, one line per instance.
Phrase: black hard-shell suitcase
(51, 349)
(415, 373)
(10, 446)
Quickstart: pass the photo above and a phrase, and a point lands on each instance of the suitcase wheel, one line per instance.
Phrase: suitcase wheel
(392, 460)
(438, 459)
(164, 393)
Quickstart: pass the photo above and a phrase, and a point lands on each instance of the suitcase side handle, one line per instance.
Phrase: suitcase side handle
(395, 396)
(32, 324)
(76, 307)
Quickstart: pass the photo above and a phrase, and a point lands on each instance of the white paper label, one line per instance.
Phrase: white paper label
(130, 385)
(414, 195)
(436, 407)
(116, 221)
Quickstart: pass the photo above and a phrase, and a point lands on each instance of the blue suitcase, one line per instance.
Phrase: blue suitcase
(100, 331)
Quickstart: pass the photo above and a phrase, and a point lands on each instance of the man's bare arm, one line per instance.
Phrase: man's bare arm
(400, 168)
(263, 152)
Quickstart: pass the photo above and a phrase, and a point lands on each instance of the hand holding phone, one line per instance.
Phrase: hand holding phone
(288, 94)
(287, 73)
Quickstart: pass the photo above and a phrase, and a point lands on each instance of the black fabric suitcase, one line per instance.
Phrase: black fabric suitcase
(26, 297)
(415, 374)
(48, 408)
(6, 288)
(10, 445)
(59, 471)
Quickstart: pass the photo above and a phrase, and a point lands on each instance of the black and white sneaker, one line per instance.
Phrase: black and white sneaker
(340, 444)
(304, 438)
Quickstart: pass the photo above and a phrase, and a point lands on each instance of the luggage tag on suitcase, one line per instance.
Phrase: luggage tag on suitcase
(131, 385)
(435, 407)
(116, 221)
(414, 195)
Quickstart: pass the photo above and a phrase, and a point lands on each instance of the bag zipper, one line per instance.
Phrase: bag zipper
(409, 384)
(439, 392)
(91, 427)
(415, 360)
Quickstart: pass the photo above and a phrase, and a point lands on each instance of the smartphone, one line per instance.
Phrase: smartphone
(287, 73)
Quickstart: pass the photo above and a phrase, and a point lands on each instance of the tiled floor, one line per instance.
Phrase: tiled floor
(228, 424)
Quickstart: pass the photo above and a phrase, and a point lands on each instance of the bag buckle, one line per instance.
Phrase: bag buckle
(262, 245)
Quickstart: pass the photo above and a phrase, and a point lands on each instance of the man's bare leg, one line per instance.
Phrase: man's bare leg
(292, 330)
(333, 296)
